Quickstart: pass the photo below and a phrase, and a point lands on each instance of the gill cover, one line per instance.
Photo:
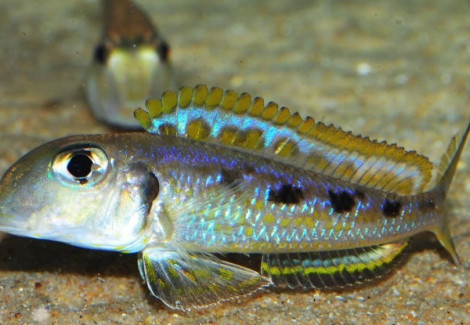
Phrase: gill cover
(82, 191)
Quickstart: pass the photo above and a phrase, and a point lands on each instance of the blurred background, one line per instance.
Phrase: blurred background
(397, 70)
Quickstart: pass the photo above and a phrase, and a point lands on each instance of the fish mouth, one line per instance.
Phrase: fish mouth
(23, 228)
(16, 220)
(28, 226)
(12, 224)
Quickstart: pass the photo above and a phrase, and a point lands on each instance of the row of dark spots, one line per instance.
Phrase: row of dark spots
(341, 201)
(393, 208)
(344, 201)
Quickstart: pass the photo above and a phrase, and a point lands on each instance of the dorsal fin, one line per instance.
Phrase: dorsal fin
(229, 119)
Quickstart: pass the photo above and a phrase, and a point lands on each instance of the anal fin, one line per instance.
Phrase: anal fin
(331, 269)
(187, 281)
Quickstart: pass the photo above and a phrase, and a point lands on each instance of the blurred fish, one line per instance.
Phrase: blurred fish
(221, 173)
(130, 64)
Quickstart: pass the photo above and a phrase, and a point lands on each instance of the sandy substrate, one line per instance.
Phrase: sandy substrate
(398, 71)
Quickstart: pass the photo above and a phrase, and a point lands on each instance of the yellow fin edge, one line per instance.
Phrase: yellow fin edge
(203, 97)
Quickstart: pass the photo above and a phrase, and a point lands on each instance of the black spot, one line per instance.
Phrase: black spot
(163, 51)
(80, 164)
(287, 194)
(360, 195)
(391, 208)
(342, 201)
(151, 187)
(101, 53)
(427, 205)
(229, 176)
(249, 169)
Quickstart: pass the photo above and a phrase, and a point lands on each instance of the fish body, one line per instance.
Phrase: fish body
(222, 173)
(130, 64)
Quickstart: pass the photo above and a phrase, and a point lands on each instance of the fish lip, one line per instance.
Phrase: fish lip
(9, 230)
(9, 223)
(28, 231)
(21, 226)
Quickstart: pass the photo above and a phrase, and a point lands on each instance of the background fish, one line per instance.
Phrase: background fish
(222, 173)
(130, 64)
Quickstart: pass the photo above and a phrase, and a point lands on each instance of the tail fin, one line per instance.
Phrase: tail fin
(445, 175)
(449, 161)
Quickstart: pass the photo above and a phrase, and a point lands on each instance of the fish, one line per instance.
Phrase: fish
(130, 63)
(217, 172)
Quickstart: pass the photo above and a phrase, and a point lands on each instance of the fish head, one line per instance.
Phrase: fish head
(122, 77)
(80, 190)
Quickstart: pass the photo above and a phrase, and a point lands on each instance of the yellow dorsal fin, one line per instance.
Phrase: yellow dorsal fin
(229, 119)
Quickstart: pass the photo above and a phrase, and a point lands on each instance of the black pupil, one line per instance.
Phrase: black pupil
(101, 54)
(80, 165)
(163, 51)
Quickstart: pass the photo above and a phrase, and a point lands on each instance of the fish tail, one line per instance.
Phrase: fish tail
(450, 160)
(445, 175)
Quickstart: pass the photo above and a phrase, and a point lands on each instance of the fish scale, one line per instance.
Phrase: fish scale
(217, 172)
(251, 196)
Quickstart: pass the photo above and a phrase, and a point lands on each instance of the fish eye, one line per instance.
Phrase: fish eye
(163, 51)
(101, 53)
(85, 166)
(80, 164)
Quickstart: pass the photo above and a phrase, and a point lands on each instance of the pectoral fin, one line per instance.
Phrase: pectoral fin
(331, 269)
(191, 281)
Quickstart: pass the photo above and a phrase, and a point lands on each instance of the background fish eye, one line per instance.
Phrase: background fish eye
(101, 53)
(80, 166)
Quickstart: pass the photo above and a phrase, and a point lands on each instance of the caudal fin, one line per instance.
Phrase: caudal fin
(445, 175)
(449, 161)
